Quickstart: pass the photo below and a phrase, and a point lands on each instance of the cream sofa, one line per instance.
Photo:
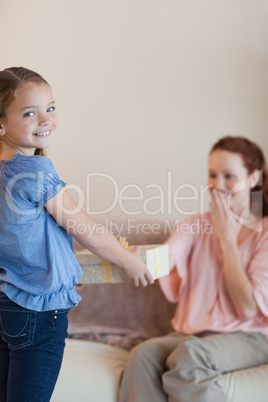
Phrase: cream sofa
(91, 372)
(112, 318)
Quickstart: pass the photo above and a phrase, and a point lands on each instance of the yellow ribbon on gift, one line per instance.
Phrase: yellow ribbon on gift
(106, 265)
(124, 242)
(156, 263)
(106, 271)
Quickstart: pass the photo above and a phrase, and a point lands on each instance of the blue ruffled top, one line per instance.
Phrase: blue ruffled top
(38, 269)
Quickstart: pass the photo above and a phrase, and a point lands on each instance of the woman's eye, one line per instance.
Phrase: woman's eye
(212, 175)
(51, 109)
(229, 176)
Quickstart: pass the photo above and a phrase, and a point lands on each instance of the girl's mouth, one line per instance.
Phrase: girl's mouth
(43, 134)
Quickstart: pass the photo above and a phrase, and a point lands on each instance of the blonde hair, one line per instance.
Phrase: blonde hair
(11, 79)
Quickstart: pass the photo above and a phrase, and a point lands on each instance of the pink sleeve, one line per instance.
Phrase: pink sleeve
(258, 273)
(180, 246)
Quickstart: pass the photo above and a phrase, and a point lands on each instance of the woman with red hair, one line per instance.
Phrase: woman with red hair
(219, 278)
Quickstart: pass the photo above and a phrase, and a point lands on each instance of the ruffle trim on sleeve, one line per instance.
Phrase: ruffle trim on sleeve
(52, 189)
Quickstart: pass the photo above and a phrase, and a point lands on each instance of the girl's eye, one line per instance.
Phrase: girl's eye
(51, 109)
(28, 114)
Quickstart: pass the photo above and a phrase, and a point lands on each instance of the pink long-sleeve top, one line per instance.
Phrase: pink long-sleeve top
(197, 284)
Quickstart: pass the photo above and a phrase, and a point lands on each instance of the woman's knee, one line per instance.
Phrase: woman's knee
(153, 352)
(192, 352)
(143, 351)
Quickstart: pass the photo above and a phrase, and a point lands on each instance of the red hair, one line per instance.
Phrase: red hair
(253, 159)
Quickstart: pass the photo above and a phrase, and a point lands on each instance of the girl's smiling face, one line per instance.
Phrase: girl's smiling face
(228, 174)
(30, 121)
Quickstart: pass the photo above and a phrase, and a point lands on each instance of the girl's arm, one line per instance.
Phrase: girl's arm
(95, 237)
(237, 282)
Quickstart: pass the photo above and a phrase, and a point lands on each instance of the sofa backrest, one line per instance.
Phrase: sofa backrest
(124, 306)
(119, 305)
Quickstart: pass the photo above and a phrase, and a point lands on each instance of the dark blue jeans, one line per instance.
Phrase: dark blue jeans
(31, 351)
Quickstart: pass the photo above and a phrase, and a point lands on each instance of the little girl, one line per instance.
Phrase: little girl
(38, 270)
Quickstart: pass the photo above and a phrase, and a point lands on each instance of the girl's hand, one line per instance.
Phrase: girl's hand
(136, 271)
(226, 224)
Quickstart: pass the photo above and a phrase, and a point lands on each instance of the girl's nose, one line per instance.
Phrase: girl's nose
(43, 120)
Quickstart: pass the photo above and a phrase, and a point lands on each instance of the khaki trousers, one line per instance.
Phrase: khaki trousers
(187, 368)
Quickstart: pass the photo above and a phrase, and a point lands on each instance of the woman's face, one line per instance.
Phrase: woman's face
(228, 174)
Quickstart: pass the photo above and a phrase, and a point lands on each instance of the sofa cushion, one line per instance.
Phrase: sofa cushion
(92, 371)
(248, 385)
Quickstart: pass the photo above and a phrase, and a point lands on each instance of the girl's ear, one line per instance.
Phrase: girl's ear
(254, 178)
(2, 130)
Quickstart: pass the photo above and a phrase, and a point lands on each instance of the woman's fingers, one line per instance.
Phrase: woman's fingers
(219, 204)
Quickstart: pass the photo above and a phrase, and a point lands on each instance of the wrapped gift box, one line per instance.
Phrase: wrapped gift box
(98, 270)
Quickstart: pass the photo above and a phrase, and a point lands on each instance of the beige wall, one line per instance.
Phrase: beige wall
(143, 89)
